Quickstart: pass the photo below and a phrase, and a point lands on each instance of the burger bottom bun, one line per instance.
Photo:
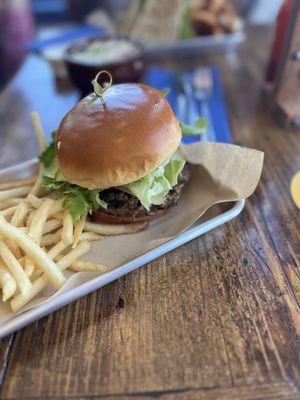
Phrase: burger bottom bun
(102, 216)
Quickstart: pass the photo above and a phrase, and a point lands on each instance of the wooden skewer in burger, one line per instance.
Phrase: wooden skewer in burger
(114, 154)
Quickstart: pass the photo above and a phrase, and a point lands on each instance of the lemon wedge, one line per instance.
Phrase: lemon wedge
(295, 189)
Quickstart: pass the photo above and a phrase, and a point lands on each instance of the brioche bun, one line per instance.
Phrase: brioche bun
(101, 146)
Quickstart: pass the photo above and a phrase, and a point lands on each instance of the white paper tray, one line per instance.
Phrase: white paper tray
(58, 301)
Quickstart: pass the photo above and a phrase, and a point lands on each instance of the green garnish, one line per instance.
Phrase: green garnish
(166, 91)
(198, 128)
(48, 154)
(76, 199)
(185, 29)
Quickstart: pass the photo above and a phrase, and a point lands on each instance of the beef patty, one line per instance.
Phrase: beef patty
(125, 208)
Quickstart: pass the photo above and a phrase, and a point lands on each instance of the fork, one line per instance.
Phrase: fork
(198, 88)
(202, 86)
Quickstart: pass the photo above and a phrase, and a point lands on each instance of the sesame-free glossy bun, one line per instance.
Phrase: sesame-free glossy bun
(102, 146)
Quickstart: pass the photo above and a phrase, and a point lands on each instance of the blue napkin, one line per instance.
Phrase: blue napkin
(79, 32)
(163, 78)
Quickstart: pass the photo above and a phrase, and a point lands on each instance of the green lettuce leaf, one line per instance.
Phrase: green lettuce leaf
(77, 202)
(80, 201)
(153, 188)
(197, 128)
(76, 199)
(172, 171)
(48, 155)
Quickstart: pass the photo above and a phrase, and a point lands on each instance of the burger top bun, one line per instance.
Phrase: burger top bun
(105, 145)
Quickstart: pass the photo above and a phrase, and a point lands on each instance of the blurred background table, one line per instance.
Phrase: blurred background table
(217, 318)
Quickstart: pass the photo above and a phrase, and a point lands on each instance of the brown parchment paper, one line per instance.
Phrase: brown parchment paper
(220, 173)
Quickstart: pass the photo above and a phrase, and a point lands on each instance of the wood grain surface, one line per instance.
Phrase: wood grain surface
(217, 318)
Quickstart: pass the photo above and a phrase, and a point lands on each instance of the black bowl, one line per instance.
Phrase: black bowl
(127, 69)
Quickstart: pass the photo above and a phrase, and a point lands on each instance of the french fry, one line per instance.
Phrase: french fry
(20, 214)
(9, 211)
(90, 236)
(15, 268)
(36, 273)
(18, 183)
(30, 218)
(56, 250)
(34, 251)
(28, 265)
(51, 238)
(14, 248)
(67, 231)
(80, 265)
(36, 188)
(59, 215)
(7, 282)
(106, 229)
(13, 193)
(38, 130)
(40, 283)
(79, 225)
(51, 226)
(38, 221)
(73, 255)
(18, 220)
(35, 202)
(56, 208)
(9, 203)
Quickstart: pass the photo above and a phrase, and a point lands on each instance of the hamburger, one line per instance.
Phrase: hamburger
(115, 156)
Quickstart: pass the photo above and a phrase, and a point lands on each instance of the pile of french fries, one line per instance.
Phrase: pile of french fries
(39, 240)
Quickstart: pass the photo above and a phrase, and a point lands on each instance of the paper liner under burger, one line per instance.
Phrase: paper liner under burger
(220, 173)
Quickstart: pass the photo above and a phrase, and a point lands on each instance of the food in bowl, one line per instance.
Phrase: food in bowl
(173, 20)
(120, 56)
(104, 51)
(216, 17)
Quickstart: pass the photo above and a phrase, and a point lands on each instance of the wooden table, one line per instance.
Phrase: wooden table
(217, 318)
